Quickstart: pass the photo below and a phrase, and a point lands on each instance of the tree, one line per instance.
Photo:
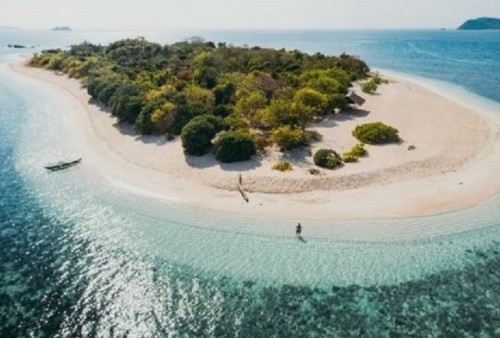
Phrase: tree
(250, 104)
(234, 146)
(163, 117)
(280, 112)
(198, 133)
(126, 103)
(197, 137)
(308, 103)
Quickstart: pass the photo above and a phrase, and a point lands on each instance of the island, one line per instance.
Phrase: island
(16, 46)
(9, 28)
(61, 28)
(480, 24)
(270, 133)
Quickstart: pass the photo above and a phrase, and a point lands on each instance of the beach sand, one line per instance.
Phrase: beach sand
(454, 165)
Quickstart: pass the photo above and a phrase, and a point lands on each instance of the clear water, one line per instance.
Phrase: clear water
(80, 259)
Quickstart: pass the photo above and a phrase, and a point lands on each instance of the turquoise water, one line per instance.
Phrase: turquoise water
(81, 259)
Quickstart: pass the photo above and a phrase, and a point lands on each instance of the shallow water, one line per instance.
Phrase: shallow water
(81, 259)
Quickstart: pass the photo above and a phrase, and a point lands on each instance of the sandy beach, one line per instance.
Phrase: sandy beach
(454, 165)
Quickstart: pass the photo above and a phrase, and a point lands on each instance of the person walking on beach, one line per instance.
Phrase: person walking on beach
(298, 230)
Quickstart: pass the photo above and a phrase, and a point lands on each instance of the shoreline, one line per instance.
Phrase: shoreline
(391, 183)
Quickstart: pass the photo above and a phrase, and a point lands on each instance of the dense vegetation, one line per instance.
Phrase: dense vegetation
(262, 95)
(376, 133)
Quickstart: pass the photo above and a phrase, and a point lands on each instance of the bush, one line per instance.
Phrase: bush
(327, 158)
(376, 133)
(287, 137)
(369, 87)
(282, 166)
(359, 150)
(197, 137)
(234, 146)
(378, 79)
(215, 121)
(349, 158)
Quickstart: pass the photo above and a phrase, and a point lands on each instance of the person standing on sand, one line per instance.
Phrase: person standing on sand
(298, 230)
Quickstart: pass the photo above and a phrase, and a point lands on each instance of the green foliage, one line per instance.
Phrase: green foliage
(163, 117)
(338, 101)
(279, 112)
(161, 88)
(236, 122)
(126, 103)
(197, 137)
(234, 146)
(376, 133)
(327, 158)
(359, 150)
(287, 137)
(378, 79)
(348, 158)
(282, 166)
(307, 104)
(369, 87)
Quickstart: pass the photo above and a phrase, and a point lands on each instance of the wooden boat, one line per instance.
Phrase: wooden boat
(62, 165)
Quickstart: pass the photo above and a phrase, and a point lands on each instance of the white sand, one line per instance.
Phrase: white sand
(455, 164)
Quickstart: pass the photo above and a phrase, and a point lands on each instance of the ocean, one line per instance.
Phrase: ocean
(79, 259)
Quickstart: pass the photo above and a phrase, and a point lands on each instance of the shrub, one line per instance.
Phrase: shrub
(349, 157)
(287, 137)
(378, 79)
(216, 121)
(260, 141)
(313, 136)
(369, 87)
(359, 150)
(376, 133)
(197, 137)
(234, 146)
(327, 158)
(282, 166)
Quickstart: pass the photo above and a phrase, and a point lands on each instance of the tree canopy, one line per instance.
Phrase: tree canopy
(161, 88)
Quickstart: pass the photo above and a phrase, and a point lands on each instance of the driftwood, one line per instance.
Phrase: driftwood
(240, 189)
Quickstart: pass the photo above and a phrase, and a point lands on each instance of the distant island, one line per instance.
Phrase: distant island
(9, 28)
(16, 46)
(480, 24)
(61, 28)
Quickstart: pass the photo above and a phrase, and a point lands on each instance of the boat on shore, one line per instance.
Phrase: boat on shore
(62, 165)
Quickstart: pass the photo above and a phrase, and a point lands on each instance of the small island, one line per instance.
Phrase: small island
(295, 133)
(480, 24)
(61, 29)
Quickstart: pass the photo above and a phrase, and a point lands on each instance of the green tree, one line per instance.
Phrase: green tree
(197, 137)
(163, 117)
(280, 112)
(308, 103)
(126, 103)
(234, 146)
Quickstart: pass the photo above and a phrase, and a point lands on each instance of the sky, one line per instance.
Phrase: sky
(243, 14)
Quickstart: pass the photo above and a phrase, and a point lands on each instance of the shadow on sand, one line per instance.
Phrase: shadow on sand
(209, 160)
